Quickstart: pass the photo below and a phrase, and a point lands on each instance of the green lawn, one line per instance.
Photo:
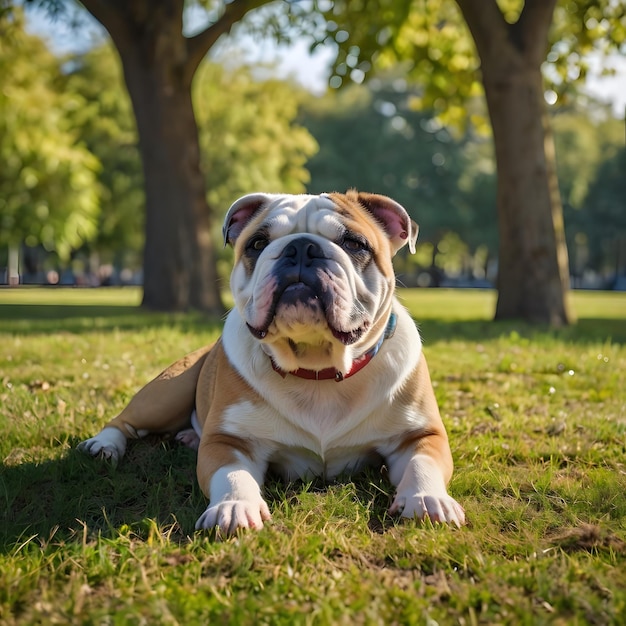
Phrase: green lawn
(537, 423)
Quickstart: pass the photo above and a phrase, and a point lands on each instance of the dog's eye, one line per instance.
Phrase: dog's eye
(257, 243)
(353, 244)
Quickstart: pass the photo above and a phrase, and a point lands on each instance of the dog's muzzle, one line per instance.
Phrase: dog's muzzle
(303, 278)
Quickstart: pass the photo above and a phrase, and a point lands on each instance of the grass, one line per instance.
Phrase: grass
(537, 422)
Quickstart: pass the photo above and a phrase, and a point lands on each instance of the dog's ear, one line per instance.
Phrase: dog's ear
(240, 213)
(394, 218)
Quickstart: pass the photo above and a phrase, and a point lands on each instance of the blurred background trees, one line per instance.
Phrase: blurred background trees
(106, 125)
(389, 134)
(48, 177)
(459, 50)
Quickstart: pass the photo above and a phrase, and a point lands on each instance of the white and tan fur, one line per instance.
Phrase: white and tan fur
(248, 418)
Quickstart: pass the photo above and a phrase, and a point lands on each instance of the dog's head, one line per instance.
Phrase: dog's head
(313, 278)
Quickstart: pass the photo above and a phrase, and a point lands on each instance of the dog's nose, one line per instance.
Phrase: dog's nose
(303, 251)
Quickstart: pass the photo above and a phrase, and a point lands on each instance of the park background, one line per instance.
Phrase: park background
(73, 208)
(536, 412)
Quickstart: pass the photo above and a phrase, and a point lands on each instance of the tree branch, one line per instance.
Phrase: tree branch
(109, 14)
(200, 44)
(487, 25)
(533, 27)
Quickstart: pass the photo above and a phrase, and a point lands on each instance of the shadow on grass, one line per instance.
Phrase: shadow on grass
(66, 499)
(46, 318)
(60, 497)
(27, 319)
(585, 331)
(369, 487)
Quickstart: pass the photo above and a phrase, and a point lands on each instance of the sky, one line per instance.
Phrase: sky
(295, 62)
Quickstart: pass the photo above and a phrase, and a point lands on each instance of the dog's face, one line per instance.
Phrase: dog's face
(313, 278)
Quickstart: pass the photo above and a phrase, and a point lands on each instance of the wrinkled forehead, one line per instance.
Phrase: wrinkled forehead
(302, 214)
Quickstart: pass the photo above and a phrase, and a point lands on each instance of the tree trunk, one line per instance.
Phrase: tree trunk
(159, 64)
(533, 274)
(533, 270)
(179, 264)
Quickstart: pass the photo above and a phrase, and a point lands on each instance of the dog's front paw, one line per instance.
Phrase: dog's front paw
(441, 508)
(229, 516)
(108, 444)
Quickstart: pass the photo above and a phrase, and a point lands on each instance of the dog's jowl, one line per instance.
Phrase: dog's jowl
(319, 368)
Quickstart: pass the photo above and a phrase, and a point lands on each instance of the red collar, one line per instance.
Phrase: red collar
(330, 373)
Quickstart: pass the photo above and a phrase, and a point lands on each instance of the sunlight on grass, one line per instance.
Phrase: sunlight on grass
(70, 296)
(537, 425)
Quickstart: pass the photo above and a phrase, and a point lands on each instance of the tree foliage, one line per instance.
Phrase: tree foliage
(253, 145)
(602, 226)
(249, 136)
(431, 42)
(374, 139)
(159, 60)
(584, 138)
(371, 137)
(48, 192)
(449, 47)
(249, 140)
(381, 138)
(105, 122)
(579, 29)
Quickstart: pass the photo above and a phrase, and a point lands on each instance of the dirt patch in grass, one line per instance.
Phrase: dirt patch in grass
(588, 538)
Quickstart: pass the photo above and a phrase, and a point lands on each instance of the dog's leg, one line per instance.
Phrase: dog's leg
(421, 466)
(232, 481)
(164, 405)
(419, 474)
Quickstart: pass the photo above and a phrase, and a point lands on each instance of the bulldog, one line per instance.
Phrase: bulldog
(319, 370)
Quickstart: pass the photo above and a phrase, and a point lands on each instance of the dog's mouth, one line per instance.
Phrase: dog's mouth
(300, 299)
